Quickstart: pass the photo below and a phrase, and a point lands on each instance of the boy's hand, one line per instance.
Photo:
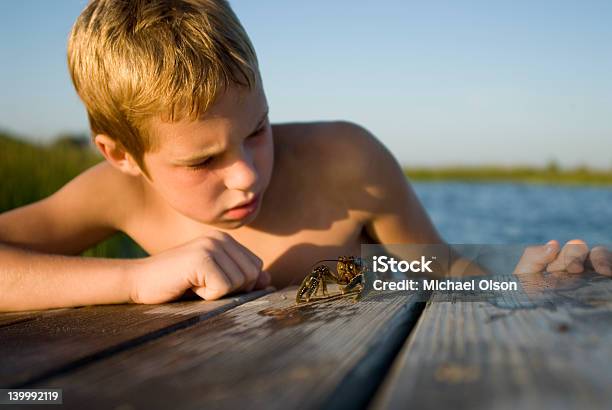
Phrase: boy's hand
(575, 257)
(211, 266)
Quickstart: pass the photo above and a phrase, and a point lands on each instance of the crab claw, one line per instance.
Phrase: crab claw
(311, 283)
(303, 290)
(309, 286)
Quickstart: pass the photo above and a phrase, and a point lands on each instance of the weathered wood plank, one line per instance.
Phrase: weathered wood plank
(36, 345)
(11, 318)
(262, 354)
(553, 352)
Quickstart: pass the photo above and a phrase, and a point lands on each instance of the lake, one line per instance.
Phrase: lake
(513, 213)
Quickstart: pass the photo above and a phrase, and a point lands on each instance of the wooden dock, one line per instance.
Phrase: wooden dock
(260, 351)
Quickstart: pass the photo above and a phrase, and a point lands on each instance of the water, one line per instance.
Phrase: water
(510, 213)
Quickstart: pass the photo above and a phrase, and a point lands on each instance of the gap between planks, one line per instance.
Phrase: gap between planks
(267, 353)
(554, 352)
(35, 346)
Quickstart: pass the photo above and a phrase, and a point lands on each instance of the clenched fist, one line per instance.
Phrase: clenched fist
(211, 266)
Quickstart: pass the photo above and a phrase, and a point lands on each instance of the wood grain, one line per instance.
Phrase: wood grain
(8, 319)
(553, 350)
(36, 345)
(264, 354)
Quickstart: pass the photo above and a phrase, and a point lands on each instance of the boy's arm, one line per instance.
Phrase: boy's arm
(370, 179)
(379, 190)
(212, 266)
(396, 216)
(85, 211)
(393, 212)
(31, 281)
(399, 217)
(34, 239)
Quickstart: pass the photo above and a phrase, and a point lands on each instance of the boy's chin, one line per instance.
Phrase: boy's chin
(230, 224)
(235, 223)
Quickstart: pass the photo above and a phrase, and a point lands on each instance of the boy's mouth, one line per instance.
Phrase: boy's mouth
(244, 209)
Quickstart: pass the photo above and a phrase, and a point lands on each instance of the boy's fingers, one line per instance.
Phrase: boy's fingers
(213, 283)
(536, 258)
(601, 260)
(250, 270)
(230, 269)
(571, 258)
(254, 258)
(249, 263)
(207, 293)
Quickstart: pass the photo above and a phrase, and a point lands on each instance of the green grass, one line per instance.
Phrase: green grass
(550, 174)
(31, 172)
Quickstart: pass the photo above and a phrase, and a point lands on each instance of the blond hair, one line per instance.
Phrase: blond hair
(133, 59)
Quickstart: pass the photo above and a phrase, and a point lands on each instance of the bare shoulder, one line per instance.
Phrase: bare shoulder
(342, 161)
(342, 150)
(360, 174)
(86, 210)
(323, 134)
(109, 193)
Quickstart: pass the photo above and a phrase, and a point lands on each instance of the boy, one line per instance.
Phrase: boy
(195, 173)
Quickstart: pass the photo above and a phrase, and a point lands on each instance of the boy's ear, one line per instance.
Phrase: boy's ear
(117, 155)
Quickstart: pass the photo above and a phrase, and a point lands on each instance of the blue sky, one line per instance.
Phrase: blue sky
(439, 82)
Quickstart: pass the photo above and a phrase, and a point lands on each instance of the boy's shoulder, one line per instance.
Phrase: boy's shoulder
(115, 193)
(338, 165)
(332, 134)
(85, 211)
(341, 150)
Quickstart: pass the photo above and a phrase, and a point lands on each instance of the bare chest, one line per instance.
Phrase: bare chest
(289, 258)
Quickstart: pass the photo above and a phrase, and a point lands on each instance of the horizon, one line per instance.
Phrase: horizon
(83, 141)
(507, 84)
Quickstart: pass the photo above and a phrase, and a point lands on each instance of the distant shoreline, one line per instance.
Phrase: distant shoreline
(550, 175)
(70, 155)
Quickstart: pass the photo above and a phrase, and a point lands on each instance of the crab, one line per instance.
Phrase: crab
(349, 272)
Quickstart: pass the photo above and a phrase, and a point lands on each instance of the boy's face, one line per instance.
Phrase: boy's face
(210, 168)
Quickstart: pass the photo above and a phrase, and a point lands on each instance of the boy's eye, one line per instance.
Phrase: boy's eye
(201, 164)
(207, 161)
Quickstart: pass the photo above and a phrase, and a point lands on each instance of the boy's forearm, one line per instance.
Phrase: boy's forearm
(31, 281)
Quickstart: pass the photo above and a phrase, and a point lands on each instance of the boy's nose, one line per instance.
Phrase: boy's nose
(241, 175)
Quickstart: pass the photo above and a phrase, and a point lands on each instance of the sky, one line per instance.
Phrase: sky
(438, 82)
